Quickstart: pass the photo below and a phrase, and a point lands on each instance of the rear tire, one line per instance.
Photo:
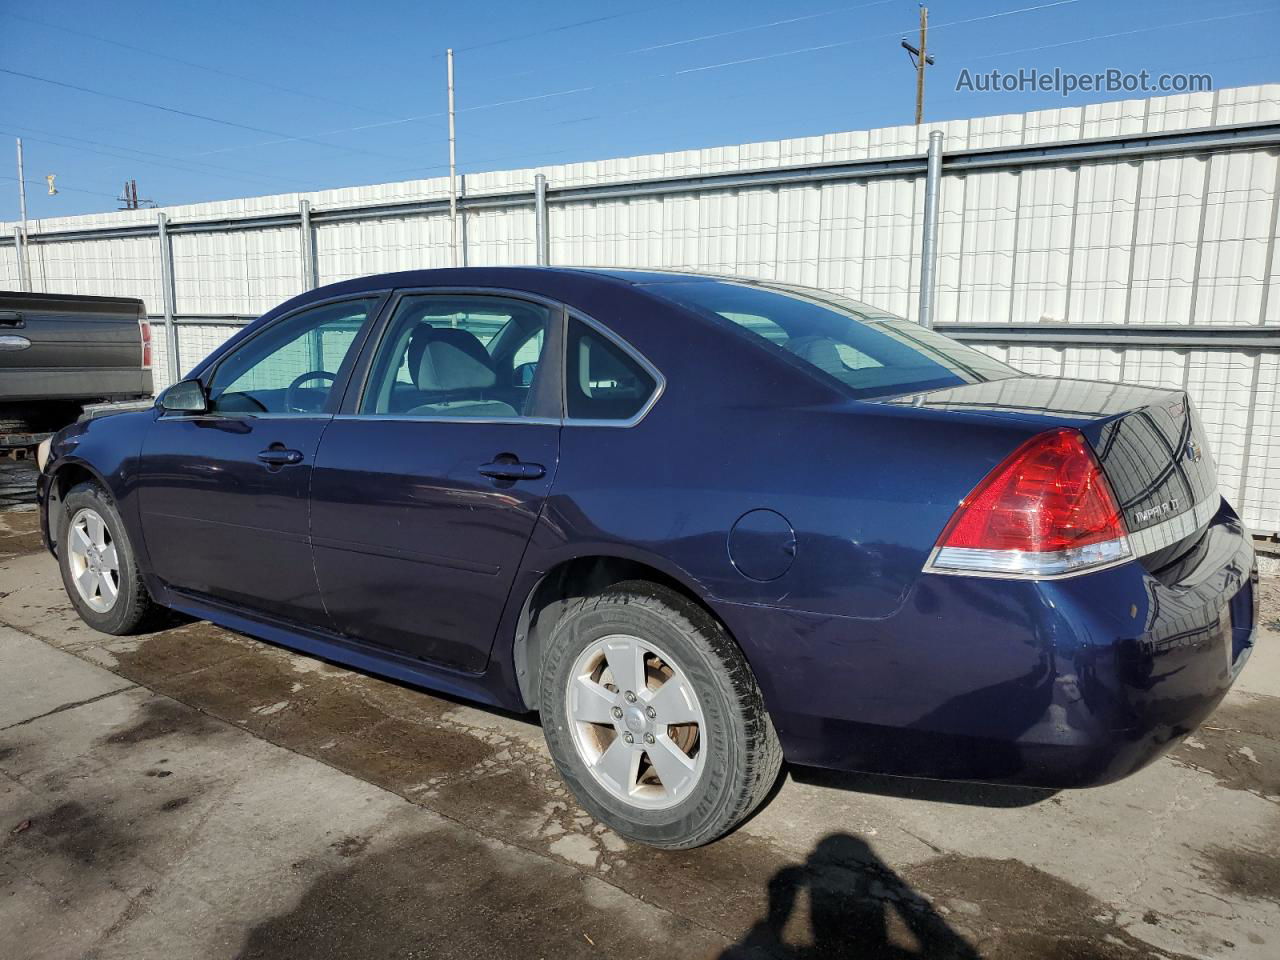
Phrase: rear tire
(100, 569)
(698, 713)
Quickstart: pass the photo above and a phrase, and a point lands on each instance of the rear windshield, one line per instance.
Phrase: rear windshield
(870, 353)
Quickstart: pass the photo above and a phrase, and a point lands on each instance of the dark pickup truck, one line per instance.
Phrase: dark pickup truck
(60, 353)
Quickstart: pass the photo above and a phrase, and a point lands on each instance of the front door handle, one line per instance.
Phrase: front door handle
(513, 470)
(280, 457)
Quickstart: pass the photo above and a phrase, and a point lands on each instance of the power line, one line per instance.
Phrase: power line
(646, 9)
(194, 116)
(862, 40)
(140, 156)
(42, 183)
(283, 138)
(594, 87)
(1123, 33)
(426, 116)
(190, 63)
(759, 26)
(626, 82)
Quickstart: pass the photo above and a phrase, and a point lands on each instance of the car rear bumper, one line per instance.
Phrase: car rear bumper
(1058, 683)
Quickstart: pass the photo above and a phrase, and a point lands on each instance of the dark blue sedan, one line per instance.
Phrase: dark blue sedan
(700, 524)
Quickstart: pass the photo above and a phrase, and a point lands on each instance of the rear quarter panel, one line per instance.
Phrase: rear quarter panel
(866, 487)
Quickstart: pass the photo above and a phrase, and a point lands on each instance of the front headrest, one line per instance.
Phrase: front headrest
(820, 351)
(446, 358)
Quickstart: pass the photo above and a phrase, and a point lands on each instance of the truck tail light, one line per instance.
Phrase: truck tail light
(144, 335)
(1045, 511)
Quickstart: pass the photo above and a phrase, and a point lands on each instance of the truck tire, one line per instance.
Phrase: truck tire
(654, 718)
(99, 567)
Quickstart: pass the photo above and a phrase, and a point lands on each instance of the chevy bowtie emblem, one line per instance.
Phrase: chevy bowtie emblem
(1192, 451)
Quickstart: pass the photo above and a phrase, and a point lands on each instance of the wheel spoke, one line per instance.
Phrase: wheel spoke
(97, 530)
(626, 663)
(592, 703)
(109, 559)
(675, 703)
(88, 583)
(82, 537)
(675, 768)
(109, 588)
(621, 764)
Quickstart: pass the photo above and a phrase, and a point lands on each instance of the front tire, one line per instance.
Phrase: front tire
(99, 567)
(654, 718)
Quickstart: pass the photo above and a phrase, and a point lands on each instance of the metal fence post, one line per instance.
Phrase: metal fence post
(21, 242)
(929, 242)
(541, 236)
(20, 251)
(167, 292)
(309, 276)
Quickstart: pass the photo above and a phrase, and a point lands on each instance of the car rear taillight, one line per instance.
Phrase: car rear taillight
(1045, 511)
(144, 335)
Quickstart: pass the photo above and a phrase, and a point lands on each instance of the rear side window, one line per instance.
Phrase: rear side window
(603, 381)
(463, 356)
(870, 354)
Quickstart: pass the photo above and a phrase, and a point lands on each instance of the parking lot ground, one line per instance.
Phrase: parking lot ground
(195, 792)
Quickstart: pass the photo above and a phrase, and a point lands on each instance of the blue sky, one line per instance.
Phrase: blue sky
(362, 85)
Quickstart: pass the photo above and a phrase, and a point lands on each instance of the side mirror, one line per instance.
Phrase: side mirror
(186, 396)
(522, 376)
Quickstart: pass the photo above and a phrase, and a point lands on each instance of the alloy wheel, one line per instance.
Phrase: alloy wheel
(95, 565)
(636, 722)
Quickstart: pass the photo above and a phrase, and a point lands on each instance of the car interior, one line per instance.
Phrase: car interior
(451, 359)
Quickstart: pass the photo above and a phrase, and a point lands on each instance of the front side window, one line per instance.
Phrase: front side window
(292, 366)
(603, 381)
(467, 356)
(870, 353)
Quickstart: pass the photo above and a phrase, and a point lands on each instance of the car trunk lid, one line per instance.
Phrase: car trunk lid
(1149, 442)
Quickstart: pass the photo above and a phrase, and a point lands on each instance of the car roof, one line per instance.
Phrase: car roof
(551, 281)
(557, 283)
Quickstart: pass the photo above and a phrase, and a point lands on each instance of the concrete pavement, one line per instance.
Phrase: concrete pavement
(198, 793)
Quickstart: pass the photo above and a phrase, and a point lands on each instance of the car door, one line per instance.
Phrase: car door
(428, 485)
(223, 494)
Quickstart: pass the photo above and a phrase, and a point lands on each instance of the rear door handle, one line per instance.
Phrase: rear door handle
(280, 457)
(509, 470)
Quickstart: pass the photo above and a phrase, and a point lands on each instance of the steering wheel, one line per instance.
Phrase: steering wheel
(291, 395)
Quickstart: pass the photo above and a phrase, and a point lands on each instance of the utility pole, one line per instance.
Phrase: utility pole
(920, 58)
(129, 197)
(24, 265)
(453, 170)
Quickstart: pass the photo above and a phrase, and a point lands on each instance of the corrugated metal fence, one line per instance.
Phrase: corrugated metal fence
(1132, 240)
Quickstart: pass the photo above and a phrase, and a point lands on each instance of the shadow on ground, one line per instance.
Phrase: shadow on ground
(857, 907)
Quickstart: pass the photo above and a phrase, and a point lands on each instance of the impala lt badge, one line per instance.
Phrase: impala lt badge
(1159, 510)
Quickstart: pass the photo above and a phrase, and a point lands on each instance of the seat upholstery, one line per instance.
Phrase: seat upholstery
(822, 352)
(453, 366)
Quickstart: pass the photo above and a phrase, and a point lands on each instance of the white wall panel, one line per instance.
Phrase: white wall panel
(1162, 240)
(1170, 209)
(1102, 243)
(1258, 499)
(989, 228)
(1235, 240)
(842, 238)
(1219, 383)
(1045, 220)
